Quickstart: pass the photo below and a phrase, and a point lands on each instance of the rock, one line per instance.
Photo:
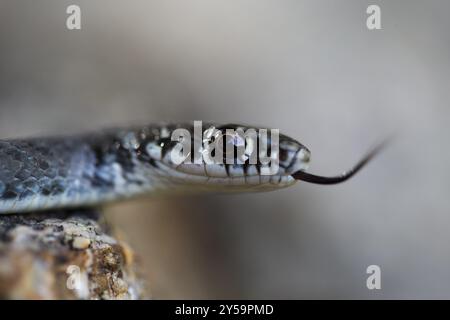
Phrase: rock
(65, 255)
(81, 243)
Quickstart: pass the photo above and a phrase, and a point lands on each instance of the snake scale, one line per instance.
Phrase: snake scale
(87, 170)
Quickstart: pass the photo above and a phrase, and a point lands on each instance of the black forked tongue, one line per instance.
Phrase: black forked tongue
(312, 178)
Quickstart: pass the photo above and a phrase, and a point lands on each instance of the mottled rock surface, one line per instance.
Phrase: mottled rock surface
(65, 255)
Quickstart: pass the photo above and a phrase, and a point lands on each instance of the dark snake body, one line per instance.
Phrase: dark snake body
(43, 173)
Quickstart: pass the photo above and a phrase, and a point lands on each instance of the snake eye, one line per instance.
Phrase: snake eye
(231, 142)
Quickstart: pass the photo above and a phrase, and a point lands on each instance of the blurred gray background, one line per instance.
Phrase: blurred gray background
(310, 68)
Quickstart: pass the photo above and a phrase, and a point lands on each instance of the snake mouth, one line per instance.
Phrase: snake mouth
(224, 177)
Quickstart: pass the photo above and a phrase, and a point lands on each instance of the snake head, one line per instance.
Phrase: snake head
(227, 157)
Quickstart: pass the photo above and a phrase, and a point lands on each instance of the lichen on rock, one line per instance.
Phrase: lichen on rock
(65, 255)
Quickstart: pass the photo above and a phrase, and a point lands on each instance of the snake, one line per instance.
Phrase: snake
(87, 170)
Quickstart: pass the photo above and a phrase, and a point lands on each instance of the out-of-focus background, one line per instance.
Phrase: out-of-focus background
(310, 68)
